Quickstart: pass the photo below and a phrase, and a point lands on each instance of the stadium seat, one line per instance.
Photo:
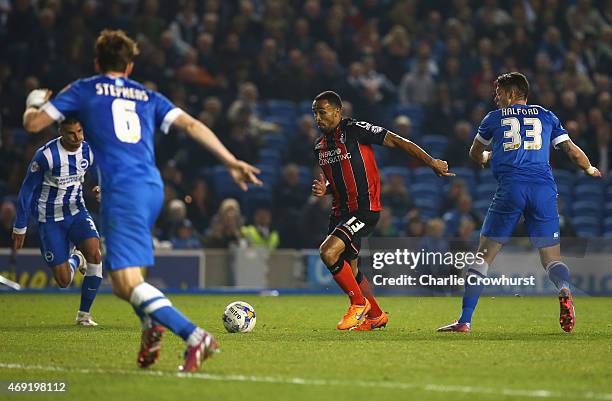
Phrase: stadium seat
(275, 141)
(607, 224)
(223, 184)
(424, 175)
(486, 176)
(398, 223)
(305, 176)
(565, 190)
(583, 179)
(429, 206)
(403, 171)
(415, 113)
(281, 108)
(592, 191)
(270, 173)
(287, 124)
(435, 144)
(304, 107)
(269, 156)
(482, 205)
(586, 226)
(588, 232)
(468, 175)
(608, 208)
(485, 191)
(564, 177)
(425, 190)
(257, 197)
(586, 208)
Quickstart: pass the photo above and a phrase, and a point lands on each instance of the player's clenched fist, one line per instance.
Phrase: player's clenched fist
(593, 171)
(318, 186)
(440, 167)
(38, 97)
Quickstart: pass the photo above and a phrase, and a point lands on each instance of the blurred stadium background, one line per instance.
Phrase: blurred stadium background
(249, 70)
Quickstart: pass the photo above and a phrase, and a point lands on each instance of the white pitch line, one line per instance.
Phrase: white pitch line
(439, 388)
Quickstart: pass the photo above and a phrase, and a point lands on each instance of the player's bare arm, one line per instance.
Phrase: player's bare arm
(241, 172)
(18, 240)
(35, 119)
(440, 167)
(479, 154)
(579, 158)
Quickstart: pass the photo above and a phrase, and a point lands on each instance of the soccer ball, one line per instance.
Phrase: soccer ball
(239, 317)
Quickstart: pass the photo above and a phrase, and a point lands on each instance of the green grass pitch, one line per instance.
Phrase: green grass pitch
(517, 351)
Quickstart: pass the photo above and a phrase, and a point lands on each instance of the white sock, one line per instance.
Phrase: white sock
(94, 269)
(195, 337)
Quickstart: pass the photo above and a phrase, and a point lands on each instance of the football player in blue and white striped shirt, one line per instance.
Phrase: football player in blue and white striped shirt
(53, 192)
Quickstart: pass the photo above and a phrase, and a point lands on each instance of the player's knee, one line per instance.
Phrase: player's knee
(329, 255)
(122, 291)
(63, 277)
(62, 282)
(93, 256)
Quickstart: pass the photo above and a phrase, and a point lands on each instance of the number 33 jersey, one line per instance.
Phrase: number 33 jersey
(520, 137)
(119, 117)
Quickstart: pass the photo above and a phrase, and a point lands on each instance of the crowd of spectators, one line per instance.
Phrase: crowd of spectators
(223, 60)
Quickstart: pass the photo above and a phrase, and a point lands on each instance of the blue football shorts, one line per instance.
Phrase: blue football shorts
(537, 202)
(57, 237)
(127, 215)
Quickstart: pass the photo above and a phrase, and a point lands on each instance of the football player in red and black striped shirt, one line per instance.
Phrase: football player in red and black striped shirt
(346, 157)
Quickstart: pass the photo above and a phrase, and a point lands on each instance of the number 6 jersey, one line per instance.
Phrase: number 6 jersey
(119, 117)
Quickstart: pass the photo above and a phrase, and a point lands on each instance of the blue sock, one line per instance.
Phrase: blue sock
(170, 317)
(90, 285)
(141, 315)
(152, 302)
(470, 298)
(146, 320)
(559, 274)
(89, 289)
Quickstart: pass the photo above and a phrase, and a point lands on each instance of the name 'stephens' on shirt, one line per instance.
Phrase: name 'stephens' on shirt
(106, 89)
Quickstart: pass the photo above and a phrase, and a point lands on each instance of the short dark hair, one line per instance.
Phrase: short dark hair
(69, 121)
(115, 50)
(514, 80)
(332, 97)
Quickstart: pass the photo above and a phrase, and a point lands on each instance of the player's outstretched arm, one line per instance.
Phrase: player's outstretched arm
(241, 172)
(35, 119)
(479, 154)
(578, 157)
(440, 167)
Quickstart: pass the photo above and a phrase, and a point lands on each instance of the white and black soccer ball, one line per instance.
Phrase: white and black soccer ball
(239, 317)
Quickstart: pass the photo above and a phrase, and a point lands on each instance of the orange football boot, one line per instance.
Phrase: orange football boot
(354, 315)
(373, 323)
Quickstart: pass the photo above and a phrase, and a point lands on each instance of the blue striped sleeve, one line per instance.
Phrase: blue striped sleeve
(32, 180)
